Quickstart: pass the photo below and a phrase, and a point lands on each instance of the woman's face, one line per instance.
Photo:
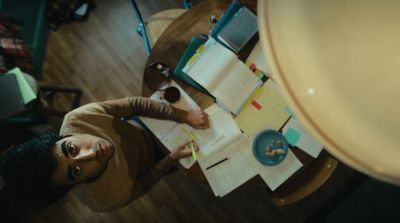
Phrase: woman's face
(80, 158)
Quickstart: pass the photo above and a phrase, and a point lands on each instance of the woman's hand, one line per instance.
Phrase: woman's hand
(198, 119)
(184, 150)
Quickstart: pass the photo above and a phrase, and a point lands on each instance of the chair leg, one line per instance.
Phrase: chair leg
(141, 28)
(139, 31)
(187, 4)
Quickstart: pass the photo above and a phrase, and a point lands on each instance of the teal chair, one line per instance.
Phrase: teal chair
(152, 28)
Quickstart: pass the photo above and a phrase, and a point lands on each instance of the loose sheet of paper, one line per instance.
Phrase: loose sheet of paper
(266, 108)
(230, 174)
(273, 176)
(297, 135)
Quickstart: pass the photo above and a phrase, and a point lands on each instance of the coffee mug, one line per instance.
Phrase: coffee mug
(172, 94)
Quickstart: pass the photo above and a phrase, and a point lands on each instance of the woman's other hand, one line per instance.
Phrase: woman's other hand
(198, 119)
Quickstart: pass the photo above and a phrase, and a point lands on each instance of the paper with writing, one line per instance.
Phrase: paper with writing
(227, 78)
(230, 174)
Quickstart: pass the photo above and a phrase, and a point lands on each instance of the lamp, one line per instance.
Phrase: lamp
(338, 66)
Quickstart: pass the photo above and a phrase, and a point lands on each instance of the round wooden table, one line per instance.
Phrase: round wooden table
(169, 49)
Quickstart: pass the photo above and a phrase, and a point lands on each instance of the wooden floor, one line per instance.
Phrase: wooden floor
(105, 57)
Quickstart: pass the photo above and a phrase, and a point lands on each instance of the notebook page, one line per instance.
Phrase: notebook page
(210, 63)
(230, 174)
(223, 122)
(237, 86)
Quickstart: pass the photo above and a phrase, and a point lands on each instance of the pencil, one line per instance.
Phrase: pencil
(223, 160)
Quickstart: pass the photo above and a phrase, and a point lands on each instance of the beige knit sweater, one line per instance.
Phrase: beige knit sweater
(131, 171)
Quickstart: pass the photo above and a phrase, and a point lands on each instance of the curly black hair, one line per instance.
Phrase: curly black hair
(27, 169)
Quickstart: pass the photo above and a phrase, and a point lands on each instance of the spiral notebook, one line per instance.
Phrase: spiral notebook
(239, 30)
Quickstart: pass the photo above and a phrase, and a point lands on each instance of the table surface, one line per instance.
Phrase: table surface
(169, 49)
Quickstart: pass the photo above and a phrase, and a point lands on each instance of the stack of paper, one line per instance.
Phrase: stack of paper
(274, 176)
(223, 129)
(296, 135)
(265, 109)
(228, 168)
(240, 165)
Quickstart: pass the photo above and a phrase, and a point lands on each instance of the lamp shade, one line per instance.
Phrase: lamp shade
(337, 64)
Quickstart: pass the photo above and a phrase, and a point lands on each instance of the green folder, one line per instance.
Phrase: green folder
(189, 52)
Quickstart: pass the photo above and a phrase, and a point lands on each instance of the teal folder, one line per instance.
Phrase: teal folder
(189, 52)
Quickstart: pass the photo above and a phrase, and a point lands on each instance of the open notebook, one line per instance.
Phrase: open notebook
(223, 129)
(219, 71)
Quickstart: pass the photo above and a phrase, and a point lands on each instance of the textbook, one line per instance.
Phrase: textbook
(223, 75)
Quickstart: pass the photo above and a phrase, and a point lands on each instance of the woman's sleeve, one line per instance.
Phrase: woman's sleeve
(137, 106)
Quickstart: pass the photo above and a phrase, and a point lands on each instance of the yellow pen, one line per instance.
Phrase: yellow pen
(194, 155)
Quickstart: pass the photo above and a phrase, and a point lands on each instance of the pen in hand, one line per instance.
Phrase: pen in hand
(194, 155)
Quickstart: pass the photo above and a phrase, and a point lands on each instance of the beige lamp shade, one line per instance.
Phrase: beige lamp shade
(337, 64)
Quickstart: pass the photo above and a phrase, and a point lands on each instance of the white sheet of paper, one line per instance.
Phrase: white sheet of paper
(274, 176)
(230, 174)
(223, 123)
(306, 142)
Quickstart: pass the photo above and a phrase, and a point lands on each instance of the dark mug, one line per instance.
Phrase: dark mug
(172, 94)
(157, 76)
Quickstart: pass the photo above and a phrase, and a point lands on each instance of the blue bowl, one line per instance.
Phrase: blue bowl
(274, 140)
